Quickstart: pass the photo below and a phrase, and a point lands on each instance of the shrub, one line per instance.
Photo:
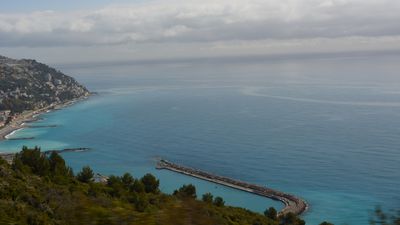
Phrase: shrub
(271, 213)
(151, 183)
(208, 198)
(186, 191)
(218, 201)
(32, 160)
(85, 175)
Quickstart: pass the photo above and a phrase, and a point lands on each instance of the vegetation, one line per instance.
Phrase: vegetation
(382, 218)
(186, 191)
(27, 84)
(86, 175)
(271, 213)
(208, 198)
(41, 189)
(150, 183)
(218, 201)
(16, 105)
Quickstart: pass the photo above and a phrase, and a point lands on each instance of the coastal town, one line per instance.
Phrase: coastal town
(4, 117)
(29, 88)
(28, 85)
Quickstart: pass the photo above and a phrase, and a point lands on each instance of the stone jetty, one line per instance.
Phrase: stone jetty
(21, 138)
(293, 204)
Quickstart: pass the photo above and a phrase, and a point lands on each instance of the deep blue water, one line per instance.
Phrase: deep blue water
(326, 130)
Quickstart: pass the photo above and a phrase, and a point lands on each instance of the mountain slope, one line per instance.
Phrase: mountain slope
(27, 84)
(40, 189)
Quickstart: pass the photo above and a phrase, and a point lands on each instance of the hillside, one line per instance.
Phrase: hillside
(27, 84)
(40, 189)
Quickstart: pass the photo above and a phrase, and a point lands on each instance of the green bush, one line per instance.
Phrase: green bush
(86, 175)
(218, 201)
(151, 183)
(208, 198)
(186, 191)
(31, 194)
(271, 213)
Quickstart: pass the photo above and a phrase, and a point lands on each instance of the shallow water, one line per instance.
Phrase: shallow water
(327, 131)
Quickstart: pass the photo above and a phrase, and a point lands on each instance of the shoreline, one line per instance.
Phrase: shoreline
(12, 132)
(32, 116)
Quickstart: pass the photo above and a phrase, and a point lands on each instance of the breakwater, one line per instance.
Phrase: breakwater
(33, 116)
(40, 126)
(293, 204)
(67, 150)
(21, 138)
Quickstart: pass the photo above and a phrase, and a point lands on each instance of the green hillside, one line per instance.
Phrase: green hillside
(40, 189)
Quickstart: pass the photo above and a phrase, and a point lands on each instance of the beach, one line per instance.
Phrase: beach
(31, 116)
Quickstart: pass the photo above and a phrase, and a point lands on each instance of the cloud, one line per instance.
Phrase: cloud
(207, 21)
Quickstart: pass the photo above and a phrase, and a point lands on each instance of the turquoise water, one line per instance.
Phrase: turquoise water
(326, 130)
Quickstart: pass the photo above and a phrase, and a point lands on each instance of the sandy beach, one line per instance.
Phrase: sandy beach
(31, 116)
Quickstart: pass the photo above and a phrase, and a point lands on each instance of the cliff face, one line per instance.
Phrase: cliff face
(27, 84)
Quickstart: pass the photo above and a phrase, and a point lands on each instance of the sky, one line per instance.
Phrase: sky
(68, 32)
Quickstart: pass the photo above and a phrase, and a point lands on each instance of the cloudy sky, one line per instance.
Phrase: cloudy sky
(59, 31)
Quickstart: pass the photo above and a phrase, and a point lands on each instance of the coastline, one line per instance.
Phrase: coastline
(13, 132)
(32, 116)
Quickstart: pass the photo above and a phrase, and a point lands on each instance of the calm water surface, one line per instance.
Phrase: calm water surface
(326, 130)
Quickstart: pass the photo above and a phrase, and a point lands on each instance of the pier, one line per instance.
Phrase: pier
(293, 204)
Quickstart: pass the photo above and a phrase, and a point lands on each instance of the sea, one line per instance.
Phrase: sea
(326, 129)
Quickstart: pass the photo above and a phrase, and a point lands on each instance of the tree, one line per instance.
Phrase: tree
(271, 213)
(218, 201)
(113, 181)
(208, 198)
(127, 179)
(150, 183)
(141, 204)
(116, 186)
(380, 217)
(33, 160)
(137, 186)
(58, 166)
(186, 191)
(326, 223)
(85, 175)
(291, 219)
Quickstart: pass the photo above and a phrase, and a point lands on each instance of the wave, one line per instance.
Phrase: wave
(12, 133)
(255, 92)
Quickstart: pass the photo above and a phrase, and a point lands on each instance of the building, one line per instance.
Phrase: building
(4, 116)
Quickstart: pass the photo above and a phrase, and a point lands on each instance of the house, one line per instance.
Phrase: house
(4, 116)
